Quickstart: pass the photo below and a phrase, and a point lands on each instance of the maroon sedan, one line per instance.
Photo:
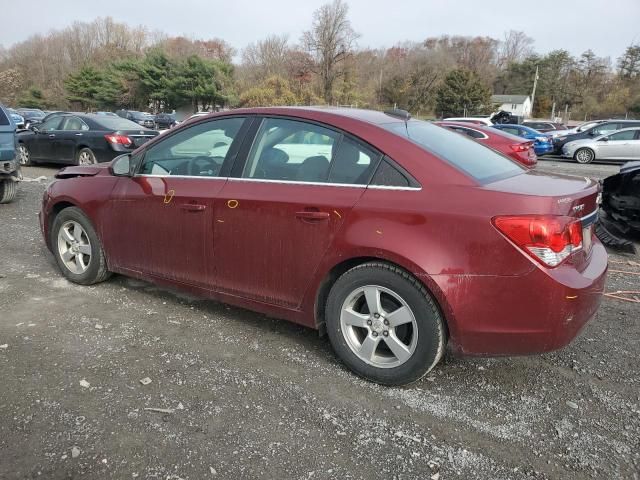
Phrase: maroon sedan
(392, 235)
(518, 148)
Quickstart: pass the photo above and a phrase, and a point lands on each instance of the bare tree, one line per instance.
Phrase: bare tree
(515, 47)
(330, 41)
(267, 57)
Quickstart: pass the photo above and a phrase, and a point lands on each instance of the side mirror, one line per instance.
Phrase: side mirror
(121, 166)
(34, 128)
(604, 139)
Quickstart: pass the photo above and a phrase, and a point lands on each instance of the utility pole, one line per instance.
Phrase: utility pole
(533, 94)
(553, 112)
(566, 113)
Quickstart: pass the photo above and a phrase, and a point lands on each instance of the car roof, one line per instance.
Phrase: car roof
(369, 116)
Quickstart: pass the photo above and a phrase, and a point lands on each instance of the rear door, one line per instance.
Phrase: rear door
(280, 211)
(72, 131)
(160, 221)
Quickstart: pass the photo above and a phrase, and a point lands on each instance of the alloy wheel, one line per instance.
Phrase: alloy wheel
(584, 156)
(379, 326)
(74, 247)
(23, 155)
(86, 158)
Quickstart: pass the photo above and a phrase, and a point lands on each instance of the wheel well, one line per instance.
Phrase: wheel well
(337, 271)
(55, 210)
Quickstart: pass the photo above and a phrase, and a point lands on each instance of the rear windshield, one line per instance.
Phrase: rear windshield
(116, 123)
(476, 160)
(4, 120)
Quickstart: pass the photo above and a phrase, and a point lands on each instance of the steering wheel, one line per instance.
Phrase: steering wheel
(210, 166)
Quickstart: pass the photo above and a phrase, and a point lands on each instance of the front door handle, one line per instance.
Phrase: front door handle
(193, 207)
(78, 134)
(52, 135)
(312, 215)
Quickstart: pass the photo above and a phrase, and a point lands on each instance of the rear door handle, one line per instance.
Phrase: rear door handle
(78, 134)
(52, 135)
(312, 215)
(193, 207)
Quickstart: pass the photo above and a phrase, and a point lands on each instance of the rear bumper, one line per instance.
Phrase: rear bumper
(543, 149)
(538, 312)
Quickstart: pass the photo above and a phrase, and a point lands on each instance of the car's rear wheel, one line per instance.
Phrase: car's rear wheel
(8, 190)
(85, 156)
(77, 248)
(24, 155)
(384, 325)
(584, 155)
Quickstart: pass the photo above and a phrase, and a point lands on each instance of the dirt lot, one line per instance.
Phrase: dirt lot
(252, 397)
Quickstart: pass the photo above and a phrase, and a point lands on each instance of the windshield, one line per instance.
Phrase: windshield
(116, 123)
(141, 116)
(476, 160)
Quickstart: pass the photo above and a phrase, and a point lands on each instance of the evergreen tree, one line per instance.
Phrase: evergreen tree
(462, 92)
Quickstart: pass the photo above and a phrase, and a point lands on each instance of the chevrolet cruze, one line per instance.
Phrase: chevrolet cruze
(394, 236)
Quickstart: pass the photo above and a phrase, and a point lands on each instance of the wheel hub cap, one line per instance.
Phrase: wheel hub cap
(379, 326)
(74, 247)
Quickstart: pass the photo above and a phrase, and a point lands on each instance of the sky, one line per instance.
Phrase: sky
(607, 28)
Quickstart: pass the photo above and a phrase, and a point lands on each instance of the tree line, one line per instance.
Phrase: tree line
(108, 65)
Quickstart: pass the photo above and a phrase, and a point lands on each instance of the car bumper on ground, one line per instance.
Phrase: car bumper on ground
(538, 312)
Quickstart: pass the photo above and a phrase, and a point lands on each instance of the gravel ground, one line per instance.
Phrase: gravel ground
(246, 396)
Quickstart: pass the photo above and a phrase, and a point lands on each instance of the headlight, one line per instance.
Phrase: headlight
(562, 138)
(541, 139)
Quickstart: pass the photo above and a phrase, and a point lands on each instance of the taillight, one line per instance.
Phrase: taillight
(118, 139)
(549, 239)
(520, 147)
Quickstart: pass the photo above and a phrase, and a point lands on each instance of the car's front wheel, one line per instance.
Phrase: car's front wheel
(77, 248)
(24, 155)
(584, 155)
(384, 325)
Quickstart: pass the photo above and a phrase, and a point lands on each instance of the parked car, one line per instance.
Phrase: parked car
(593, 131)
(16, 118)
(474, 120)
(165, 120)
(520, 149)
(32, 116)
(621, 145)
(141, 118)
(9, 166)
(80, 139)
(542, 144)
(544, 127)
(407, 237)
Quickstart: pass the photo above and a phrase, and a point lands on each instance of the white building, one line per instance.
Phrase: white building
(519, 105)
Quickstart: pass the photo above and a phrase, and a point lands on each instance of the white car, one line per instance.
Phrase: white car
(619, 145)
(476, 120)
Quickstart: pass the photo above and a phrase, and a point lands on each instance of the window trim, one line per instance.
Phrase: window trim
(252, 136)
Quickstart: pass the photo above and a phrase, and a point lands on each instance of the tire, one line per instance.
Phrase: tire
(24, 155)
(8, 190)
(91, 266)
(584, 155)
(85, 157)
(402, 300)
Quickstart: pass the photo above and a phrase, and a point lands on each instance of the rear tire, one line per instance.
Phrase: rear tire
(395, 345)
(584, 155)
(85, 157)
(8, 191)
(77, 248)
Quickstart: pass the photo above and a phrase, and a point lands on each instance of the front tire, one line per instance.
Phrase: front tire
(8, 190)
(584, 155)
(77, 248)
(384, 325)
(85, 156)
(24, 155)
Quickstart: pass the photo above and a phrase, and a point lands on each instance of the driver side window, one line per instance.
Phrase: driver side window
(196, 151)
(51, 124)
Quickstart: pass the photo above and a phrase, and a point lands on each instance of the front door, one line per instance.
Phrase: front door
(278, 216)
(160, 222)
(617, 146)
(43, 141)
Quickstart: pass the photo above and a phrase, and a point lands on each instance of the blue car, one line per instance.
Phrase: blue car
(9, 164)
(542, 144)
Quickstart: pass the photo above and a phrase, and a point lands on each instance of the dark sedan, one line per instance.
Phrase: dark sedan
(80, 139)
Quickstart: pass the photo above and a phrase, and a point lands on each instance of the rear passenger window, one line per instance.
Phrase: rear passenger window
(387, 175)
(292, 150)
(4, 120)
